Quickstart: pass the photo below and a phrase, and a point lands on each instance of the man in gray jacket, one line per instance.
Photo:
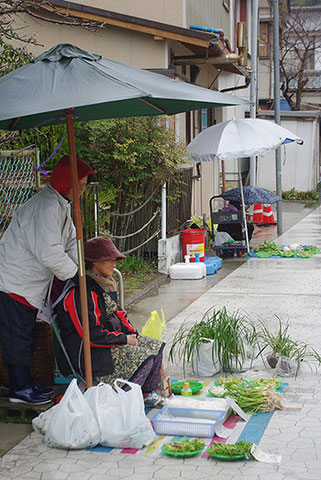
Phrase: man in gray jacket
(40, 243)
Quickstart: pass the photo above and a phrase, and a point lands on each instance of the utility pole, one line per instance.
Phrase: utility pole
(253, 84)
(277, 115)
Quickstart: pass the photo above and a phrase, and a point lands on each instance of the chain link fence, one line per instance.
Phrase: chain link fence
(18, 182)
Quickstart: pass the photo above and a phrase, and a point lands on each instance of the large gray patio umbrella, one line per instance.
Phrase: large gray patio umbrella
(69, 83)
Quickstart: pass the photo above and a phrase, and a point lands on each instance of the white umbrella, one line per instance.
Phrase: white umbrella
(239, 138)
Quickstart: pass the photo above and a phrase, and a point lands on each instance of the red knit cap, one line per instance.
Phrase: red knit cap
(101, 248)
(60, 178)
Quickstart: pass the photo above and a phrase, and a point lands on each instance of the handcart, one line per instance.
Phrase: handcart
(230, 217)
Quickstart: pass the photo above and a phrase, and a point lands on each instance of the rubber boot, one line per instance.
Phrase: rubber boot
(21, 390)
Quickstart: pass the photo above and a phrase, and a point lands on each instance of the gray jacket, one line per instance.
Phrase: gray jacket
(39, 243)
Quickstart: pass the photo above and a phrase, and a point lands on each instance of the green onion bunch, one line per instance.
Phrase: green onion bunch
(230, 333)
(252, 400)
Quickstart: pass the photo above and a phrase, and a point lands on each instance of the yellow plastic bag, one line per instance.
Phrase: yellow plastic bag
(154, 325)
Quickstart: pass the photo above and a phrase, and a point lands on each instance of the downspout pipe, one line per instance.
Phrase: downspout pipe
(230, 89)
(215, 31)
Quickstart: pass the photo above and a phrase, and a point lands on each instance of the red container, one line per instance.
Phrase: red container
(193, 241)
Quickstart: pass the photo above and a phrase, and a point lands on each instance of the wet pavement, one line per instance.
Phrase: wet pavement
(175, 295)
(287, 287)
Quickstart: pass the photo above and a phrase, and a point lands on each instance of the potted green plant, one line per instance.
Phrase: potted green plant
(220, 341)
(284, 353)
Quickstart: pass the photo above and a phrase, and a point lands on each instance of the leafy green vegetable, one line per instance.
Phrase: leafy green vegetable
(269, 247)
(234, 450)
(227, 381)
(264, 382)
(186, 446)
(252, 400)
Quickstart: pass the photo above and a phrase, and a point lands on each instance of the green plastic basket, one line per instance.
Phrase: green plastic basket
(180, 454)
(227, 458)
(176, 387)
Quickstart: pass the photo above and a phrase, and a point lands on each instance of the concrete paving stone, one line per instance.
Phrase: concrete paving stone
(71, 467)
(60, 460)
(185, 467)
(271, 475)
(219, 476)
(150, 468)
(10, 457)
(169, 461)
(5, 470)
(15, 472)
(196, 475)
(132, 460)
(109, 465)
(57, 475)
(209, 468)
(107, 477)
(165, 473)
(81, 476)
(46, 467)
(7, 465)
(31, 476)
(120, 472)
(309, 476)
(140, 476)
(89, 462)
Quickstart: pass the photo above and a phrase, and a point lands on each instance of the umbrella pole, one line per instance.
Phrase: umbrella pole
(80, 247)
(244, 215)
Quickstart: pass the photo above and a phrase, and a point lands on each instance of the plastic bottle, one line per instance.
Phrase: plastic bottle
(186, 390)
(197, 257)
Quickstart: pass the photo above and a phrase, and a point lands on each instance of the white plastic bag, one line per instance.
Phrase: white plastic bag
(205, 362)
(72, 424)
(120, 415)
(286, 367)
(40, 423)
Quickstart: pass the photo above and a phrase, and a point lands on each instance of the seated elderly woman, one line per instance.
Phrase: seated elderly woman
(117, 350)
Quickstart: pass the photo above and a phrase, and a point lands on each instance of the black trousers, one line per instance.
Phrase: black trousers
(17, 327)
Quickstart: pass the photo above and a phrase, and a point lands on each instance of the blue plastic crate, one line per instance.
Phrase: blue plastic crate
(212, 264)
(179, 421)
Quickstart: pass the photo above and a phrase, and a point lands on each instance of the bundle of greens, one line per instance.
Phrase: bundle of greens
(228, 381)
(235, 450)
(186, 446)
(264, 382)
(269, 247)
(252, 400)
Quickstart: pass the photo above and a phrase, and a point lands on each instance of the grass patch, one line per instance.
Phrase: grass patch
(293, 194)
(137, 272)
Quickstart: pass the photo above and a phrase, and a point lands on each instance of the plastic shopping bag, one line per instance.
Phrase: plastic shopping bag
(72, 424)
(205, 363)
(40, 423)
(154, 325)
(120, 415)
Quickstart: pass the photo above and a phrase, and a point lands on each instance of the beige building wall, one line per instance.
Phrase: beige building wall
(134, 48)
(208, 13)
(165, 11)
